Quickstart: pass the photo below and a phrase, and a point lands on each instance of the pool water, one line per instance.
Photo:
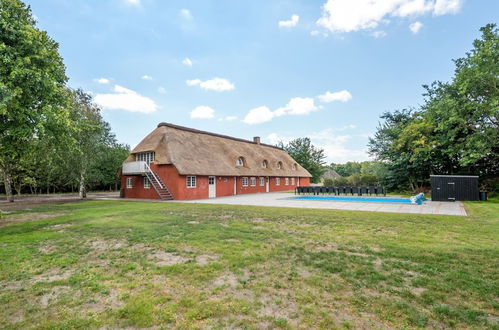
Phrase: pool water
(356, 199)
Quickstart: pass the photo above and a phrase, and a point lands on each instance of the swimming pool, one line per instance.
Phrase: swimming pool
(356, 199)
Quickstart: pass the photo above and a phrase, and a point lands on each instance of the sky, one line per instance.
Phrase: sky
(282, 69)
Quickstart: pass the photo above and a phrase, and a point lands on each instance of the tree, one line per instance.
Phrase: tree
(307, 155)
(457, 128)
(32, 80)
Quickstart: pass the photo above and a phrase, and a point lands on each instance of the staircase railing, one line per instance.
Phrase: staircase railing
(149, 171)
(155, 180)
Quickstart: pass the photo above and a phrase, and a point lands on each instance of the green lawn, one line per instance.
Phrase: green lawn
(141, 264)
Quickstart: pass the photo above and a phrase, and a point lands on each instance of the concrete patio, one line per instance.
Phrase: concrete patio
(285, 200)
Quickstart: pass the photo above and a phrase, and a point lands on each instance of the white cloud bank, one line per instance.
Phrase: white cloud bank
(187, 61)
(356, 15)
(295, 106)
(146, 77)
(202, 112)
(334, 145)
(415, 27)
(289, 23)
(125, 99)
(215, 84)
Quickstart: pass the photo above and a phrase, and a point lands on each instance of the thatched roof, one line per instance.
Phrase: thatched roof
(203, 153)
(330, 174)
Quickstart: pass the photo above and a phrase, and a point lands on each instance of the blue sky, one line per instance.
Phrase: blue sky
(277, 69)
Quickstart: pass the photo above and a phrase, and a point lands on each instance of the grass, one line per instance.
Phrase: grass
(140, 264)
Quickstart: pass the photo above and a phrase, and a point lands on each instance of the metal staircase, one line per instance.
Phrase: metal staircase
(159, 186)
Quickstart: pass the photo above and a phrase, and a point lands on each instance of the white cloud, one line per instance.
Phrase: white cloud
(187, 61)
(334, 145)
(443, 7)
(146, 77)
(258, 115)
(215, 84)
(202, 112)
(230, 118)
(415, 27)
(297, 106)
(290, 23)
(102, 80)
(186, 14)
(125, 99)
(378, 34)
(355, 15)
(161, 90)
(343, 96)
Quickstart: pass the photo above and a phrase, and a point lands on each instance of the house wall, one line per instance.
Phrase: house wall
(177, 185)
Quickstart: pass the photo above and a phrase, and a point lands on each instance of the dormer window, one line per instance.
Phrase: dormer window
(240, 162)
(264, 164)
(147, 157)
(279, 165)
(294, 167)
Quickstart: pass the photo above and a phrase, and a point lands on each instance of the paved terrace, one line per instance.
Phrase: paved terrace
(285, 200)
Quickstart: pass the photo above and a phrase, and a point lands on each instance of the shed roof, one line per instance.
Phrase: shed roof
(198, 152)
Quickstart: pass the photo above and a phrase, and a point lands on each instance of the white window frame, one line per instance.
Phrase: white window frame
(294, 167)
(244, 181)
(262, 181)
(147, 183)
(264, 163)
(277, 181)
(252, 181)
(190, 181)
(129, 183)
(212, 178)
(147, 157)
(292, 181)
(279, 165)
(239, 162)
(286, 181)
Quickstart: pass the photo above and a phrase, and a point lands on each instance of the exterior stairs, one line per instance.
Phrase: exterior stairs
(158, 185)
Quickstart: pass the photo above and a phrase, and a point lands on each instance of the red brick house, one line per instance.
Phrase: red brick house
(175, 162)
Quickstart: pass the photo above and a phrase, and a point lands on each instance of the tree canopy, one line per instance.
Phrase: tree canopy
(307, 155)
(455, 131)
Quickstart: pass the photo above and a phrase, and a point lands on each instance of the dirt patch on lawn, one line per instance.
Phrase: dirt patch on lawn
(31, 216)
(59, 226)
(46, 249)
(48, 298)
(205, 259)
(167, 258)
(258, 220)
(52, 275)
(227, 279)
(103, 245)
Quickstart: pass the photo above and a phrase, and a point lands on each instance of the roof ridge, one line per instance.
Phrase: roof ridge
(193, 130)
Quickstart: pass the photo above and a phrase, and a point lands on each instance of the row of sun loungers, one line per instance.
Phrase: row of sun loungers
(371, 190)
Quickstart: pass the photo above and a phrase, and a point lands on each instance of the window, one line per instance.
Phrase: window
(240, 161)
(292, 181)
(245, 181)
(264, 164)
(191, 182)
(279, 165)
(252, 181)
(147, 157)
(294, 167)
(225, 179)
(211, 180)
(147, 183)
(277, 181)
(286, 181)
(129, 183)
(262, 181)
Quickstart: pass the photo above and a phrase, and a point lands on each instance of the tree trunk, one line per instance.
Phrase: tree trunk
(83, 191)
(8, 185)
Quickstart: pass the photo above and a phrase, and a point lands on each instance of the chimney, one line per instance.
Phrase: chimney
(256, 139)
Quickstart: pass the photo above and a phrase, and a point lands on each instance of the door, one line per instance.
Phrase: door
(267, 184)
(212, 187)
(235, 185)
(451, 191)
